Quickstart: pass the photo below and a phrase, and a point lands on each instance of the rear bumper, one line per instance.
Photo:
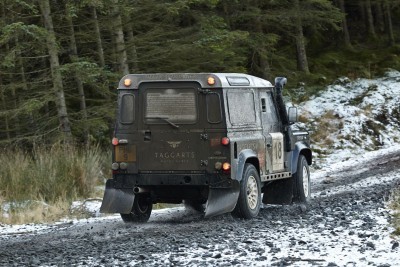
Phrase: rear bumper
(219, 193)
(134, 180)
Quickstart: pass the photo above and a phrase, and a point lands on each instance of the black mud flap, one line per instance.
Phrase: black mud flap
(222, 199)
(279, 192)
(117, 200)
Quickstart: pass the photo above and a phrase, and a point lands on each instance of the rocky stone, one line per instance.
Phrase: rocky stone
(371, 245)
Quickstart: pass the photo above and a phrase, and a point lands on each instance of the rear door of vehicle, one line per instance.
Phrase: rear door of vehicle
(171, 128)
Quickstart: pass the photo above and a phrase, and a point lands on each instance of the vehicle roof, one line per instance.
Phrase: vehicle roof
(224, 80)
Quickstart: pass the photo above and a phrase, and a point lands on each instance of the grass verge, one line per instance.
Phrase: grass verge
(39, 186)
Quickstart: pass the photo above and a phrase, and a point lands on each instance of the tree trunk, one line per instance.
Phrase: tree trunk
(78, 81)
(380, 20)
(227, 15)
(119, 40)
(389, 27)
(346, 34)
(302, 62)
(261, 53)
(14, 101)
(3, 103)
(361, 5)
(55, 70)
(99, 43)
(132, 51)
(370, 19)
(25, 85)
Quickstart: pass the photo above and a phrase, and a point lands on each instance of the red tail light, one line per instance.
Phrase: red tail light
(115, 141)
(225, 141)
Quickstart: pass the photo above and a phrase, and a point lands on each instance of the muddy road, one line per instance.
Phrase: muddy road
(346, 224)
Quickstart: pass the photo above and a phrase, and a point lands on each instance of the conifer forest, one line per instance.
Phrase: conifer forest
(60, 61)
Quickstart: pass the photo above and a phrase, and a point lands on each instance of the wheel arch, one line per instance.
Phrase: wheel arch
(300, 149)
(246, 156)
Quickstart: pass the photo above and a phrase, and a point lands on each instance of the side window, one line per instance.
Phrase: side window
(270, 108)
(214, 110)
(241, 107)
(127, 109)
(263, 105)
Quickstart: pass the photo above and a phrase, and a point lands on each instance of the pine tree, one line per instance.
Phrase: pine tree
(345, 28)
(292, 17)
(55, 70)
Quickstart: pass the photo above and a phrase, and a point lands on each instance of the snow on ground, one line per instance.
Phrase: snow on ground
(354, 116)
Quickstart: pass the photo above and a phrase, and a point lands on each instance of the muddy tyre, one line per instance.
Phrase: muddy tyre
(301, 182)
(248, 204)
(141, 210)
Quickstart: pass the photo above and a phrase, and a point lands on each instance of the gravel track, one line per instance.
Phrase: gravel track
(345, 224)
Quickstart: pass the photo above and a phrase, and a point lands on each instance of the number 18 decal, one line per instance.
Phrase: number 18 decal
(278, 149)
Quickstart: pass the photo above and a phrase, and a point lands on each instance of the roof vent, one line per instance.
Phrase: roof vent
(238, 81)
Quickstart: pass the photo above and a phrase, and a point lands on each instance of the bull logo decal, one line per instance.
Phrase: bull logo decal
(174, 144)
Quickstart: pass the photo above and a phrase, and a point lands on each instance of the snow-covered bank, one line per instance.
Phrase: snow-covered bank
(352, 117)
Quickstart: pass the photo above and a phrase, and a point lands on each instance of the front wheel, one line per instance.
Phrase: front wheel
(301, 182)
(141, 210)
(248, 204)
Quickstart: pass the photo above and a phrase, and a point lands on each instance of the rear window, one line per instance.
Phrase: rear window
(214, 113)
(127, 112)
(173, 105)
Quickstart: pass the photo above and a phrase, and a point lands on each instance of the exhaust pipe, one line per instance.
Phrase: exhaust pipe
(139, 190)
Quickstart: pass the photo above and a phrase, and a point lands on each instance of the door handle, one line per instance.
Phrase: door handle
(147, 136)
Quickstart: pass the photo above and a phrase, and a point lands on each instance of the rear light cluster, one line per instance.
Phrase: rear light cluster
(119, 166)
(115, 141)
(226, 166)
(225, 141)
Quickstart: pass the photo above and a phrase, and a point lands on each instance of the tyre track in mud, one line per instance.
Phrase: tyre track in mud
(365, 169)
(349, 222)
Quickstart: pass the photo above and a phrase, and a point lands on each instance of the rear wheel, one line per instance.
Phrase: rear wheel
(301, 182)
(141, 210)
(248, 204)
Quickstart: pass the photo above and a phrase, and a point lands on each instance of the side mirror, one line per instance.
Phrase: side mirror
(292, 115)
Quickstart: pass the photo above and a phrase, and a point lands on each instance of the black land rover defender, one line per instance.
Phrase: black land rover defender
(219, 141)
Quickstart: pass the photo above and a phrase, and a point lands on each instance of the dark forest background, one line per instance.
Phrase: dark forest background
(60, 61)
